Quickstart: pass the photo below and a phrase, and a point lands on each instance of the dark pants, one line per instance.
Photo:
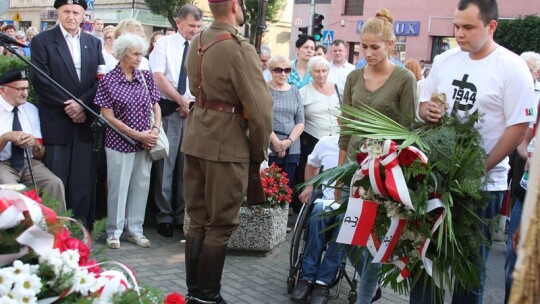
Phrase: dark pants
(287, 164)
(72, 163)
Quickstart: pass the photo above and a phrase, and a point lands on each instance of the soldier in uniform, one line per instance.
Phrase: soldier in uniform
(220, 142)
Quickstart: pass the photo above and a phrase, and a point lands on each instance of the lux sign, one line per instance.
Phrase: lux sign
(401, 28)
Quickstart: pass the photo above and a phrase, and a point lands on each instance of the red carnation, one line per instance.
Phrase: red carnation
(174, 298)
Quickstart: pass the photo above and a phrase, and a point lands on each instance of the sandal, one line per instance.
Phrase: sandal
(113, 243)
(139, 240)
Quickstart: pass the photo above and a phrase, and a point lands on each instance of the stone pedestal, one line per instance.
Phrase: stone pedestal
(260, 229)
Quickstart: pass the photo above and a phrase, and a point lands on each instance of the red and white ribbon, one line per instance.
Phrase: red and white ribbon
(385, 250)
(432, 205)
(401, 263)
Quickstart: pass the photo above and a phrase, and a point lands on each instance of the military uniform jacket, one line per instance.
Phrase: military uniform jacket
(231, 73)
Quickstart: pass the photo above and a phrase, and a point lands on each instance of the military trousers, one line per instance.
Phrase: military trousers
(214, 192)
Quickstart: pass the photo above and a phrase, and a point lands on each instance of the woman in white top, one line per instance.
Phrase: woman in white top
(321, 102)
(132, 26)
(321, 109)
(108, 43)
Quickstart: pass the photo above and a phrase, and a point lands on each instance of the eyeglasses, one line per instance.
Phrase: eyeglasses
(281, 70)
(20, 90)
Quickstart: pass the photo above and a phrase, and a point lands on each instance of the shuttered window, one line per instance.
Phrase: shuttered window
(354, 7)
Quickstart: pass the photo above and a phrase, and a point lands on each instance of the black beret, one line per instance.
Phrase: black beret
(14, 75)
(58, 3)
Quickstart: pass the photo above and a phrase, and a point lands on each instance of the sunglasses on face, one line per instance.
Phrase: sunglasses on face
(281, 70)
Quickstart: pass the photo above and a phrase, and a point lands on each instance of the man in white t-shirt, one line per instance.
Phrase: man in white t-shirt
(503, 97)
(167, 65)
(339, 67)
(315, 274)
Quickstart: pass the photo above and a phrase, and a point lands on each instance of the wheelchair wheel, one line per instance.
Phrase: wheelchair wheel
(290, 284)
(352, 297)
(298, 239)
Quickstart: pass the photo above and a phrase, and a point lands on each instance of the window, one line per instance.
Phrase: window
(354, 7)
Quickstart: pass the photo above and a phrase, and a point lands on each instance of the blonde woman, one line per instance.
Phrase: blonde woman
(129, 26)
(108, 44)
(387, 88)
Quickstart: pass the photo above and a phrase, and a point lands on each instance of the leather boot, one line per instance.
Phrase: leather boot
(211, 262)
(192, 252)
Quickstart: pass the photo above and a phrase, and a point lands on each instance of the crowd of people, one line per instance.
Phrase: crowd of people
(267, 105)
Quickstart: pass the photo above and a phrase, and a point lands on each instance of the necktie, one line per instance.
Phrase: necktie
(17, 153)
(182, 80)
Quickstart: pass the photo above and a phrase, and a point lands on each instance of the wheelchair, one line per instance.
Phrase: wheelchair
(298, 244)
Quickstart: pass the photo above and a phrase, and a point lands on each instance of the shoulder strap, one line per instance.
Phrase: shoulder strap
(202, 49)
(337, 92)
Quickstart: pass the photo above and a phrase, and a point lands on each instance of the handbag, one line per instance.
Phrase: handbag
(161, 149)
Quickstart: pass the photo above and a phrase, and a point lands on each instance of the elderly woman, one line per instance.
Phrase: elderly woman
(321, 104)
(127, 26)
(126, 96)
(288, 118)
(31, 32)
(305, 48)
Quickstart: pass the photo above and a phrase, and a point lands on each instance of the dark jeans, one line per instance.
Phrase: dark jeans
(511, 256)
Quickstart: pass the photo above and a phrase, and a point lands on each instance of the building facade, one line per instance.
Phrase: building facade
(423, 28)
(41, 14)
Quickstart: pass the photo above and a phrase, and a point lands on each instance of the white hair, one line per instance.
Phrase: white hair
(265, 50)
(315, 61)
(277, 59)
(528, 56)
(126, 42)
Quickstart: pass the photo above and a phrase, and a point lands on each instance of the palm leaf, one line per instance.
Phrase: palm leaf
(366, 122)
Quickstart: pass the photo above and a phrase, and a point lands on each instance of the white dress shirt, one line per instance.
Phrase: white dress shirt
(338, 75)
(166, 58)
(28, 117)
(74, 45)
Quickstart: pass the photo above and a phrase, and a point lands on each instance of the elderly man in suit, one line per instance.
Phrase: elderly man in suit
(70, 57)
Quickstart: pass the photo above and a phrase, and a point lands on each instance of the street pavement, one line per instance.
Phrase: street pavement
(252, 278)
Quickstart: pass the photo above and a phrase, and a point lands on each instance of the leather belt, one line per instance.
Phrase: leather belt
(218, 106)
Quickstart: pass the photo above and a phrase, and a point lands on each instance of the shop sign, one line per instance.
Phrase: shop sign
(401, 28)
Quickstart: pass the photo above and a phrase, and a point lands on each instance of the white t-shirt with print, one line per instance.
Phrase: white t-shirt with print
(498, 86)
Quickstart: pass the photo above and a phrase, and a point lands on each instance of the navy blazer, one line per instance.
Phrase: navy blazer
(51, 54)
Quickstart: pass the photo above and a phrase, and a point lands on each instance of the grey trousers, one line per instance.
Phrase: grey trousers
(168, 169)
(46, 181)
(128, 182)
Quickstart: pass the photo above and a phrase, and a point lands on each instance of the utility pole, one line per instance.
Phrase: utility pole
(312, 12)
(261, 24)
